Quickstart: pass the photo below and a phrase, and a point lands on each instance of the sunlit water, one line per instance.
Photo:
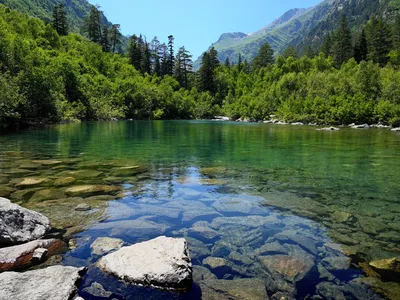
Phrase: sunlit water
(256, 195)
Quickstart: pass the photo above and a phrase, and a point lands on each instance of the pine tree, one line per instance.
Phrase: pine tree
(308, 51)
(171, 56)
(145, 64)
(342, 46)
(240, 63)
(135, 53)
(164, 59)
(207, 74)
(227, 62)
(326, 47)
(115, 37)
(396, 33)
(105, 42)
(155, 56)
(183, 66)
(378, 40)
(93, 25)
(60, 21)
(361, 48)
(264, 58)
(290, 51)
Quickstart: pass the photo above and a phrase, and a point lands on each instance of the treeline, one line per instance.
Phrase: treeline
(48, 74)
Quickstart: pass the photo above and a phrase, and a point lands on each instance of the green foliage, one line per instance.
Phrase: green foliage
(264, 58)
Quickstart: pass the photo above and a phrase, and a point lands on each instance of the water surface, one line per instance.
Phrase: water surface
(249, 198)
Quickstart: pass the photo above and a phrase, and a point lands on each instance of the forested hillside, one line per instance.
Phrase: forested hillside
(78, 10)
(48, 75)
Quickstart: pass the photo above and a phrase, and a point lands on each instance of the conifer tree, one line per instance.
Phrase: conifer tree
(183, 66)
(60, 21)
(164, 59)
(378, 40)
(135, 53)
(115, 36)
(207, 72)
(342, 46)
(308, 51)
(105, 41)
(326, 47)
(93, 25)
(227, 62)
(171, 56)
(155, 56)
(361, 48)
(146, 59)
(396, 33)
(290, 51)
(264, 58)
(240, 62)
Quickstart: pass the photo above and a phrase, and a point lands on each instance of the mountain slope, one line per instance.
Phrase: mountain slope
(280, 33)
(77, 10)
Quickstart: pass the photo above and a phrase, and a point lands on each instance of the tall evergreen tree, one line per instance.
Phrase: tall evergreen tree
(396, 33)
(378, 40)
(207, 72)
(93, 25)
(164, 60)
(155, 56)
(361, 48)
(115, 36)
(135, 53)
(326, 47)
(183, 66)
(265, 57)
(214, 58)
(290, 51)
(342, 46)
(105, 41)
(240, 63)
(60, 21)
(227, 62)
(171, 56)
(308, 51)
(146, 59)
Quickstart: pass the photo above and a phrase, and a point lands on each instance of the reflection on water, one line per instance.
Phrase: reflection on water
(286, 211)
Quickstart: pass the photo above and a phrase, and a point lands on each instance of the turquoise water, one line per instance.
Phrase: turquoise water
(257, 196)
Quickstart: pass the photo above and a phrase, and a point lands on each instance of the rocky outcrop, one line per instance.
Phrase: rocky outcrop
(21, 256)
(388, 269)
(162, 262)
(20, 225)
(55, 283)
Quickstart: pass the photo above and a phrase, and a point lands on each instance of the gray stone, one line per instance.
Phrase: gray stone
(201, 230)
(39, 254)
(162, 262)
(329, 129)
(198, 250)
(336, 263)
(21, 255)
(272, 248)
(97, 290)
(55, 283)
(330, 291)
(20, 225)
(396, 129)
(83, 207)
(307, 243)
(201, 273)
(238, 289)
(104, 245)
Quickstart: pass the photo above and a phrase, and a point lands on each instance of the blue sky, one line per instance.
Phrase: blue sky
(195, 24)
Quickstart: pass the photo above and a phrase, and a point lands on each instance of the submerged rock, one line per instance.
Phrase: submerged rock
(292, 268)
(29, 182)
(104, 245)
(162, 262)
(337, 263)
(64, 181)
(238, 289)
(83, 207)
(21, 256)
(20, 225)
(89, 190)
(55, 283)
(388, 269)
(201, 273)
(97, 290)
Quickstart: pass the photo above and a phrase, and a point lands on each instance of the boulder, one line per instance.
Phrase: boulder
(83, 207)
(329, 129)
(162, 262)
(238, 289)
(362, 126)
(29, 182)
(396, 129)
(24, 255)
(64, 181)
(104, 245)
(20, 225)
(97, 290)
(388, 269)
(336, 263)
(55, 283)
(291, 267)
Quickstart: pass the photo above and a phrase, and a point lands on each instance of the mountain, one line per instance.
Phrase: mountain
(301, 27)
(280, 33)
(77, 10)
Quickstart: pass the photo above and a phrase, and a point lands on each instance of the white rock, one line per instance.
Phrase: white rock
(39, 254)
(162, 262)
(329, 129)
(363, 126)
(20, 225)
(55, 283)
(104, 245)
(396, 129)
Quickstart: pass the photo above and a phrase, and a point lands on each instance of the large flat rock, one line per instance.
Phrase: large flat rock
(20, 225)
(55, 283)
(162, 262)
(19, 256)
